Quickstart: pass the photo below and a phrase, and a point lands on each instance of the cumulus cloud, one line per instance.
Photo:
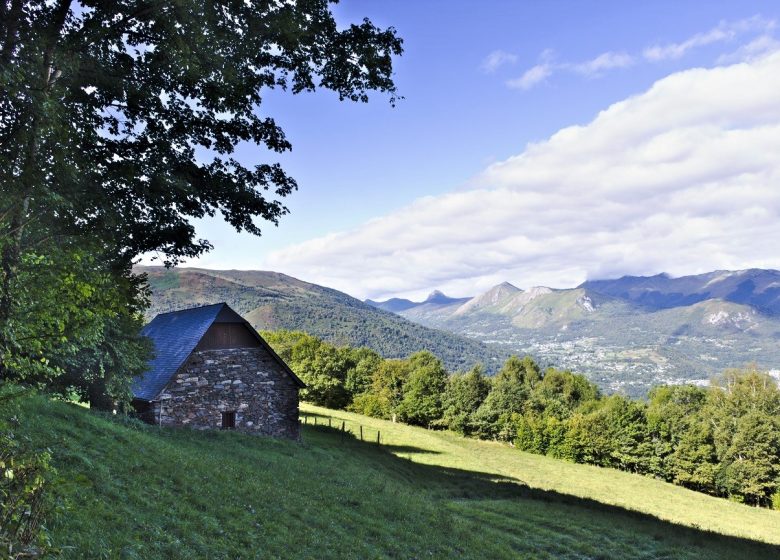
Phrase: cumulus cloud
(682, 178)
(496, 60)
(725, 31)
(603, 62)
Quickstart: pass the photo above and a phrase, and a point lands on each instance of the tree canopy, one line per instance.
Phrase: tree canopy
(121, 118)
(118, 127)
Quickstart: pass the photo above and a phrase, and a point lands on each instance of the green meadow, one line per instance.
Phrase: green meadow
(127, 490)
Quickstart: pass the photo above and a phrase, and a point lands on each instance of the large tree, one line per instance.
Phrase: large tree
(423, 389)
(118, 120)
(510, 390)
(75, 323)
(462, 398)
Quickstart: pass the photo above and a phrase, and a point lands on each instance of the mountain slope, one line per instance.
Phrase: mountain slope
(127, 490)
(631, 333)
(270, 300)
(539, 308)
(493, 298)
(755, 287)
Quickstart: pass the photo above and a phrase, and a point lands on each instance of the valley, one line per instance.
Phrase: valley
(627, 334)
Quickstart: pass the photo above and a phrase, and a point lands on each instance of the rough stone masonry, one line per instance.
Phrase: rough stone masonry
(247, 381)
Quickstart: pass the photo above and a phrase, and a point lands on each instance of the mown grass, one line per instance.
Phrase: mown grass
(127, 490)
(606, 486)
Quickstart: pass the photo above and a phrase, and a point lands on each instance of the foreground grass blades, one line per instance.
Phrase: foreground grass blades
(128, 490)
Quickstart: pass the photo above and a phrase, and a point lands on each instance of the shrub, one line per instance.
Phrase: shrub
(23, 481)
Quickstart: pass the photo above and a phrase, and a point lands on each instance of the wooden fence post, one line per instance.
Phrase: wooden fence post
(315, 420)
(377, 437)
(328, 421)
(342, 431)
(361, 432)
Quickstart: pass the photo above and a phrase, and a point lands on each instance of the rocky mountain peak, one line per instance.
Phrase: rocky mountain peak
(438, 297)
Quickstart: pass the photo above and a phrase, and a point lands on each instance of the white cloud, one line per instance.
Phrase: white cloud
(536, 74)
(758, 47)
(604, 61)
(496, 60)
(725, 31)
(531, 77)
(683, 178)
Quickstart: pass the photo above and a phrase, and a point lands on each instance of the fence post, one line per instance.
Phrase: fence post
(342, 431)
(361, 432)
(377, 437)
(315, 420)
(328, 421)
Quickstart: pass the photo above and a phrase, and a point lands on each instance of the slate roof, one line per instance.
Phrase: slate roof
(175, 335)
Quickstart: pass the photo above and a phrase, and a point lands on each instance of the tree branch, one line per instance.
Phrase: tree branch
(60, 15)
(11, 20)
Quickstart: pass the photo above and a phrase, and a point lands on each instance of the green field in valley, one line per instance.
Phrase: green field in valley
(127, 490)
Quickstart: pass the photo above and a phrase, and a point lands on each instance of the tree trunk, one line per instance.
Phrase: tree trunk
(12, 249)
(98, 397)
(9, 263)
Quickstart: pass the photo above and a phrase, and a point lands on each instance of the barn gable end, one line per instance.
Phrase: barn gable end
(212, 369)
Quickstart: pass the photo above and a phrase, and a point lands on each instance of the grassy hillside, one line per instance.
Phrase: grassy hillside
(270, 300)
(128, 490)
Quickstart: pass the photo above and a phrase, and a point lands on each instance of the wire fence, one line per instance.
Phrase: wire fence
(346, 429)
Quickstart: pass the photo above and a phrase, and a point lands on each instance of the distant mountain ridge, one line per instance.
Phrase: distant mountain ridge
(628, 333)
(395, 305)
(755, 287)
(271, 300)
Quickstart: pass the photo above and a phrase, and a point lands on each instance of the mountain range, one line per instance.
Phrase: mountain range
(628, 333)
(270, 300)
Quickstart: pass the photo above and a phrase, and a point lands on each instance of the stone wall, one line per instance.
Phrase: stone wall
(247, 381)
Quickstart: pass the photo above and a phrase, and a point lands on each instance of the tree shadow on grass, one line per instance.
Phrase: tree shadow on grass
(409, 449)
(475, 494)
(351, 434)
(312, 415)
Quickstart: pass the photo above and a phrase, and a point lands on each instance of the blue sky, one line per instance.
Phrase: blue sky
(554, 65)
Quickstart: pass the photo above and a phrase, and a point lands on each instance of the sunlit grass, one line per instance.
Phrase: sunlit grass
(608, 486)
(127, 490)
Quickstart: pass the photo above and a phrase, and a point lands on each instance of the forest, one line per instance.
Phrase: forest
(722, 440)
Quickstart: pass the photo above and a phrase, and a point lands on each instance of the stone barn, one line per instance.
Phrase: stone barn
(211, 369)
